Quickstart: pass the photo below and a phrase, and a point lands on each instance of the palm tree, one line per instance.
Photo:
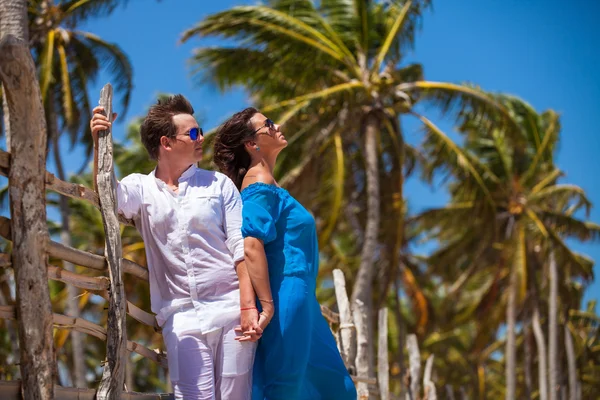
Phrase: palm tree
(584, 326)
(68, 59)
(532, 217)
(348, 83)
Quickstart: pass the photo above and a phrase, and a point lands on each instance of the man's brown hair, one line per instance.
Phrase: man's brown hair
(159, 121)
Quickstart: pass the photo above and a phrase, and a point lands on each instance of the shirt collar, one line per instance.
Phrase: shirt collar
(187, 174)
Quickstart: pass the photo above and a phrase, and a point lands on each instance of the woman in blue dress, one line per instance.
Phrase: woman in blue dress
(297, 357)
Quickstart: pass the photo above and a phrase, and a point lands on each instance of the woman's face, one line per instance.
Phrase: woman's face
(267, 135)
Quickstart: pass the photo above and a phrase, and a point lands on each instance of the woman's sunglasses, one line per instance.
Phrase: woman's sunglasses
(268, 123)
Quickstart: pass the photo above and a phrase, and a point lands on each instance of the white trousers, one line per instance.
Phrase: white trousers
(211, 366)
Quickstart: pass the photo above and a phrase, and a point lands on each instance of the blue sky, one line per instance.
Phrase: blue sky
(543, 51)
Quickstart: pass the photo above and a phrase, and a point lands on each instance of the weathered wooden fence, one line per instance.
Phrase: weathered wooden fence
(109, 287)
(349, 325)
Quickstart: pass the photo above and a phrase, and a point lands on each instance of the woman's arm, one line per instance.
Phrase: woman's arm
(256, 263)
(248, 312)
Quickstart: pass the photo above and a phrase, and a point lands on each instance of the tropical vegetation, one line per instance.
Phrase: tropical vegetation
(498, 300)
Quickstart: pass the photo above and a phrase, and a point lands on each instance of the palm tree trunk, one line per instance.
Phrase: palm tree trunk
(527, 362)
(13, 21)
(72, 308)
(398, 209)
(363, 286)
(27, 206)
(541, 351)
(553, 329)
(511, 350)
(571, 363)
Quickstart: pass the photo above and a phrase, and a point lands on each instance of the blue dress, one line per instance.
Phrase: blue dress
(297, 357)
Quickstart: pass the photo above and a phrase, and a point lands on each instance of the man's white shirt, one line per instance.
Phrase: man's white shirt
(193, 240)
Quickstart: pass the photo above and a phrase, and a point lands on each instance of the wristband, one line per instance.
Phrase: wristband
(247, 308)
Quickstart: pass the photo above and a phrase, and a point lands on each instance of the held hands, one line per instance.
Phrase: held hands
(249, 328)
(253, 323)
(99, 121)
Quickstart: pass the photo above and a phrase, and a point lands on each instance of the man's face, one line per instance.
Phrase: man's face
(182, 146)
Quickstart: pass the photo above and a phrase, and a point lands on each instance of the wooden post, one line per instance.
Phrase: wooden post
(111, 385)
(449, 392)
(362, 350)
(383, 367)
(27, 202)
(414, 360)
(347, 329)
(428, 386)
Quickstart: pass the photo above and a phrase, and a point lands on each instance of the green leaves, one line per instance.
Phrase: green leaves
(69, 59)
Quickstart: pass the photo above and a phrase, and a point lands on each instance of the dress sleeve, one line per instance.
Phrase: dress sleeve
(260, 212)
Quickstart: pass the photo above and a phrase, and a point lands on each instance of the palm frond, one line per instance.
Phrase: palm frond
(537, 222)
(46, 64)
(306, 12)
(76, 11)
(406, 36)
(319, 95)
(338, 192)
(565, 256)
(112, 57)
(221, 66)
(454, 157)
(562, 196)
(409, 73)
(261, 24)
(401, 17)
(67, 97)
(547, 142)
(84, 112)
(566, 225)
(448, 96)
(547, 180)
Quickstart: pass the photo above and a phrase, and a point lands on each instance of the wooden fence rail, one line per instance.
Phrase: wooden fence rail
(79, 257)
(68, 189)
(84, 326)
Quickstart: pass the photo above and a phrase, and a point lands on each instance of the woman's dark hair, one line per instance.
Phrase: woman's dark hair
(159, 122)
(230, 153)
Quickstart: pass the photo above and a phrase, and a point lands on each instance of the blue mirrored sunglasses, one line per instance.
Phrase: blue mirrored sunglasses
(195, 133)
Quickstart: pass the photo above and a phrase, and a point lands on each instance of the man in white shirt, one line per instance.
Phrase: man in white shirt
(190, 220)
